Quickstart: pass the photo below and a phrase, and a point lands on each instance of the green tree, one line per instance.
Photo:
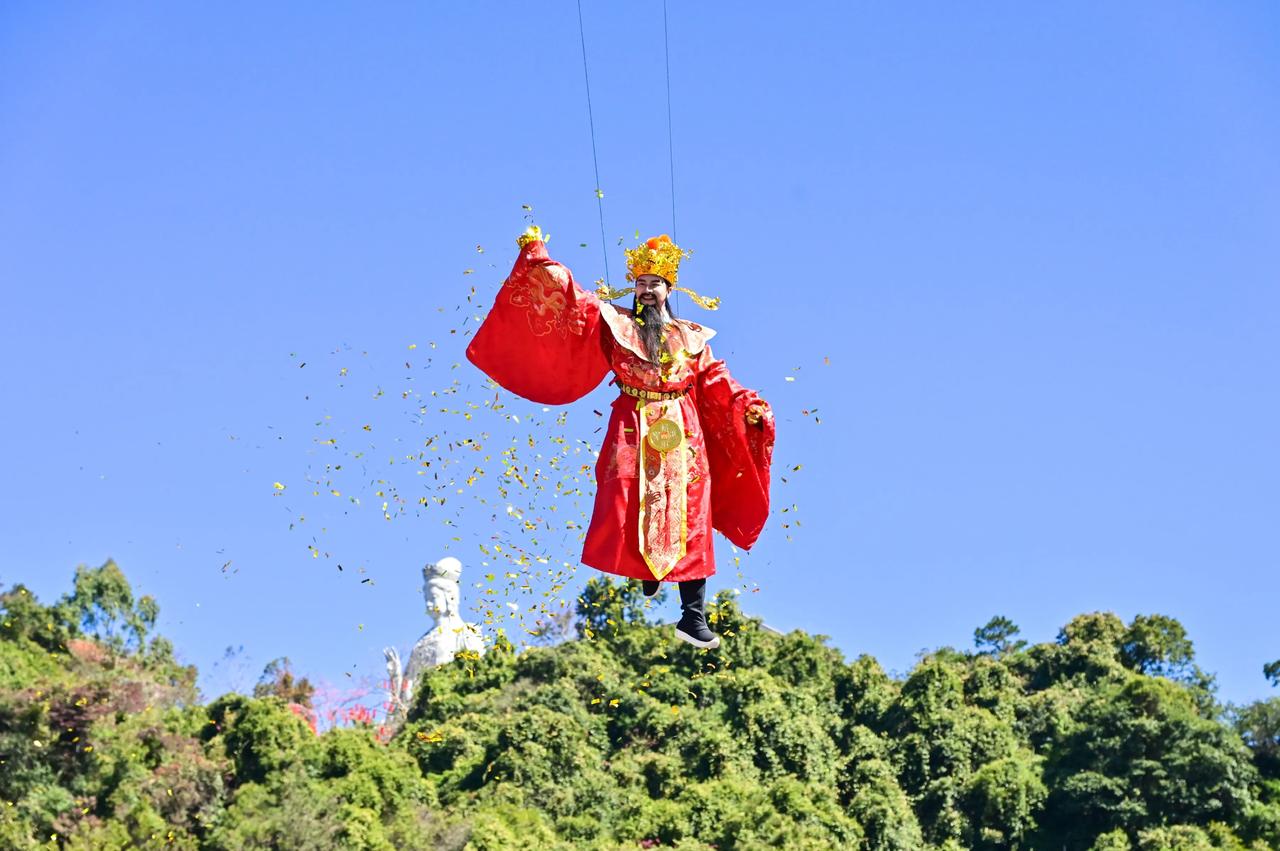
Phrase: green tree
(1105, 739)
(605, 606)
(1112, 840)
(879, 804)
(1005, 797)
(261, 737)
(1259, 727)
(1158, 646)
(1138, 756)
(996, 638)
(23, 619)
(277, 680)
(1086, 652)
(102, 606)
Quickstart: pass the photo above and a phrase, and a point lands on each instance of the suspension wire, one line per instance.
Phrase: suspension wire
(671, 156)
(595, 160)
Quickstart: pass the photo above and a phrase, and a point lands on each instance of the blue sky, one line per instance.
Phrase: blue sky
(1021, 260)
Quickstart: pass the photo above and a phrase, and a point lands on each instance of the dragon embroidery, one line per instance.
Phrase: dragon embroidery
(542, 292)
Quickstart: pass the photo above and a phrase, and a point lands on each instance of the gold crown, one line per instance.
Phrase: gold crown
(655, 256)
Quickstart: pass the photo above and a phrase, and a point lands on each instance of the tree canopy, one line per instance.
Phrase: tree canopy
(1108, 737)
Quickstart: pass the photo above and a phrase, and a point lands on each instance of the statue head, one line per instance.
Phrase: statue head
(440, 587)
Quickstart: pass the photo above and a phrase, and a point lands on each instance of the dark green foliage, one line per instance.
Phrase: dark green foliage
(1005, 797)
(26, 621)
(877, 802)
(260, 737)
(1139, 755)
(1107, 739)
(997, 637)
(1259, 726)
(1157, 645)
(1271, 671)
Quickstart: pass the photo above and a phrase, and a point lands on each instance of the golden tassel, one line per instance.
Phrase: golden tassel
(706, 303)
(607, 293)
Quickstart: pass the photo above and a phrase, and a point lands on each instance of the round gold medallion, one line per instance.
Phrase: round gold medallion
(664, 435)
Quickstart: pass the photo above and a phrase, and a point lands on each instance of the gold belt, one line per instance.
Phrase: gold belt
(651, 395)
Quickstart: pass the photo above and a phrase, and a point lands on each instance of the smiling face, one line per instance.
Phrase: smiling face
(652, 291)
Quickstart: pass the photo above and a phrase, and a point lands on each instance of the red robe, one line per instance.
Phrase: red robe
(552, 342)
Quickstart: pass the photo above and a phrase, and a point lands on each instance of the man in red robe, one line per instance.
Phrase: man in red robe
(687, 449)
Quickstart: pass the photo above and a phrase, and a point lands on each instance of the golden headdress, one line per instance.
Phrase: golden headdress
(657, 255)
(660, 256)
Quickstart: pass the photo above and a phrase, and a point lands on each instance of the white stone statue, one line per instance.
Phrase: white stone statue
(450, 636)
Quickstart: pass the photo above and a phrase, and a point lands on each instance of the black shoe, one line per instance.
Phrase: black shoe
(693, 623)
(650, 587)
(696, 633)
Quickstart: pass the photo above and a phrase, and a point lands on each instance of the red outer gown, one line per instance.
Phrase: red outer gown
(552, 342)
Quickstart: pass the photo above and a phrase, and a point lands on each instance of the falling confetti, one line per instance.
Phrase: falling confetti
(444, 456)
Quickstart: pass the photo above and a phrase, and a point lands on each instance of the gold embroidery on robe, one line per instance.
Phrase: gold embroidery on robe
(692, 336)
(542, 292)
(664, 492)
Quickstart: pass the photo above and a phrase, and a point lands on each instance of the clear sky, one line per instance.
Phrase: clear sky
(1021, 259)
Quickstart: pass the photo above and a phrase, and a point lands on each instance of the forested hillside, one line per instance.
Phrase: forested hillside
(1108, 738)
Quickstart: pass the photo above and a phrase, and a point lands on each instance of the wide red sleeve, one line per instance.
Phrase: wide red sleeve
(739, 454)
(542, 339)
